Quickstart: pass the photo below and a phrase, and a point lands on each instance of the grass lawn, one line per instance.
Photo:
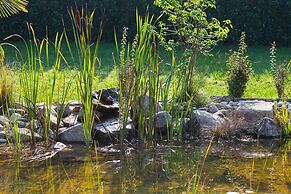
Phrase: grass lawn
(212, 70)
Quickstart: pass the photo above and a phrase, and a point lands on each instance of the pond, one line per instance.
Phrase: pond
(237, 166)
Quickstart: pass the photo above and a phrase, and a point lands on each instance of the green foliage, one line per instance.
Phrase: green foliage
(239, 69)
(30, 78)
(284, 119)
(11, 7)
(82, 22)
(191, 26)
(139, 77)
(192, 29)
(5, 86)
(279, 73)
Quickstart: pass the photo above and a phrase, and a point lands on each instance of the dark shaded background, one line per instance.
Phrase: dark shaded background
(263, 20)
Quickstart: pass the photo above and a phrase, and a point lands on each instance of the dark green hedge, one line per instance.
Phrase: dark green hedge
(262, 20)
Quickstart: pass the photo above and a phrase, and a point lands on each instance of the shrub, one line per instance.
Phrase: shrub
(279, 73)
(239, 69)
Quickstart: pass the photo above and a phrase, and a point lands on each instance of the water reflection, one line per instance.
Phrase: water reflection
(261, 167)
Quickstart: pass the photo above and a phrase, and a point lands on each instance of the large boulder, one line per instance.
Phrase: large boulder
(203, 123)
(269, 129)
(254, 111)
(74, 134)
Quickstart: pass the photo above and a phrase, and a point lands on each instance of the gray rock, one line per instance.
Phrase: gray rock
(107, 132)
(162, 121)
(1, 127)
(3, 141)
(15, 117)
(203, 123)
(231, 103)
(25, 135)
(18, 111)
(2, 135)
(74, 134)
(212, 108)
(70, 120)
(4, 120)
(21, 124)
(58, 147)
(35, 124)
(106, 101)
(63, 108)
(204, 118)
(254, 111)
(107, 96)
(185, 122)
(269, 129)
(223, 103)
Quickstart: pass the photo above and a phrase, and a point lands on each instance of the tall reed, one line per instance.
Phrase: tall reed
(82, 23)
(51, 82)
(30, 77)
(139, 78)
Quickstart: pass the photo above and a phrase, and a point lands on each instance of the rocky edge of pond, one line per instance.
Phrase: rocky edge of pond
(225, 117)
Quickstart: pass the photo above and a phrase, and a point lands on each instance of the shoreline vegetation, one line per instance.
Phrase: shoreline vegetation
(156, 92)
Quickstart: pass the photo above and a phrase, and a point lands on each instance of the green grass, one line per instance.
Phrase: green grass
(212, 68)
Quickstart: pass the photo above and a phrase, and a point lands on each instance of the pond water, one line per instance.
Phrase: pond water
(241, 166)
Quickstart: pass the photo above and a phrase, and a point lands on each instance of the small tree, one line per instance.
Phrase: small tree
(191, 28)
(239, 69)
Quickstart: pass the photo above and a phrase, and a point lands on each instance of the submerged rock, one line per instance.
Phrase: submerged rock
(56, 149)
(74, 134)
(269, 129)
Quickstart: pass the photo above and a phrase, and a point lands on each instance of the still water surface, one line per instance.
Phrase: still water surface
(242, 167)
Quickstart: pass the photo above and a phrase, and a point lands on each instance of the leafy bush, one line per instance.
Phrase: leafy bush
(239, 69)
(279, 73)
(190, 28)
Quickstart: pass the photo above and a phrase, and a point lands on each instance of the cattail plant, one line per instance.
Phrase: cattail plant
(82, 23)
(139, 78)
(30, 78)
